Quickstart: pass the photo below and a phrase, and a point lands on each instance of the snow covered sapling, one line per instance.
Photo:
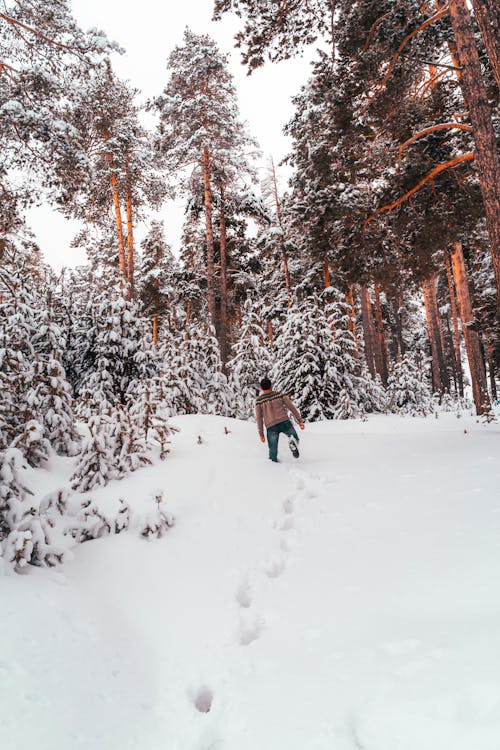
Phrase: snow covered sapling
(32, 443)
(158, 522)
(93, 523)
(97, 463)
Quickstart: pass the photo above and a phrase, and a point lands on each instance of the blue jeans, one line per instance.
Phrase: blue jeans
(273, 435)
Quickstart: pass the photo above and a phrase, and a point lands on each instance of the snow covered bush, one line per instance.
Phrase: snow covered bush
(91, 522)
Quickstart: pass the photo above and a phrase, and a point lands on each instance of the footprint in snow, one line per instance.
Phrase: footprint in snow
(244, 595)
(288, 506)
(286, 524)
(250, 632)
(275, 567)
(202, 699)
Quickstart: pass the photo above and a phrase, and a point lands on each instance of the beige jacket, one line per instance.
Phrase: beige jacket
(272, 408)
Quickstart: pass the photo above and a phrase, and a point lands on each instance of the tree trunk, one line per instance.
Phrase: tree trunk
(209, 234)
(491, 371)
(270, 334)
(223, 329)
(352, 319)
(118, 213)
(188, 313)
(487, 158)
(326, 273)
(456, 331)
(155, 329)
(130, 241)
(368, 329)
(382, 353)
(477, 371)
(279, 216)
(487, 15)
(397, 306)
(440, 379)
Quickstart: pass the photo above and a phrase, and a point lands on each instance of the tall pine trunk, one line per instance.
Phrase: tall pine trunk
(440, 379)
(487, 14)
(382, 353)
(352, 318)
(209, 234)
(368, 329)
(223, 328)
(118, 212)
(279, 216)
(487, 158)
(456, 331)
(472, 345)
(130, 236)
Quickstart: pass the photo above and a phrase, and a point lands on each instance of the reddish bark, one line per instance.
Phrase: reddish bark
(487, 158)
(130, 241)
(472, 345)
(155, 329)
(487, 14)
(209, 234)
(326, 273)
(223, 327)
(440, 379)
(456, 331)
(368, 329)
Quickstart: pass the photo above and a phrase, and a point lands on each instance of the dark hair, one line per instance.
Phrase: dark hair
(265, 384)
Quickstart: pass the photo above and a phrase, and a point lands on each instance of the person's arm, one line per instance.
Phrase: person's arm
(291, 407)
(259, 420)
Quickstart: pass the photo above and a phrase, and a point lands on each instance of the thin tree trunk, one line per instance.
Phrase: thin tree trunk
(491, 371)
(223, 329)
(382, 352)
(440, 380)
(456, 331)
(352, 319)
(478, 374)
(188, 314)
(270, 334)
(368, 329)
(118, 213)
(454, 368)
(279, 216)
(155, 329)
(438, 325)
(326, 273)
(487, 158)
(398, 304)
(209, 234)
(487, 15)
(130, 240)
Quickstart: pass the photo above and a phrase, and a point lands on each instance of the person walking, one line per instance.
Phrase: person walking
(272, 410)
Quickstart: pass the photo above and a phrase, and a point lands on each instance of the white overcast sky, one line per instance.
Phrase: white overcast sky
(148, 31)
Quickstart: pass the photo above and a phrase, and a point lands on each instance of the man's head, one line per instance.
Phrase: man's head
(266, 384)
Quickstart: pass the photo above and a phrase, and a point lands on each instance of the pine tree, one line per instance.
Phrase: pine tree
(251, 360)
(200, 127)
(302, 367)
(408, 392)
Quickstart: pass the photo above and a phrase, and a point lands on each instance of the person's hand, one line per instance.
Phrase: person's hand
(262, 439)
(301, 425)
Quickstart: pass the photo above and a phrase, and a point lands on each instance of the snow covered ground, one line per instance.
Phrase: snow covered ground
(349, 600)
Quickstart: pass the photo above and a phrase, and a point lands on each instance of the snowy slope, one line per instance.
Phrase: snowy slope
(348, 600)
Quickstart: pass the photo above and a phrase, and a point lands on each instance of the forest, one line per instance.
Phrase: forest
(371, 285)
